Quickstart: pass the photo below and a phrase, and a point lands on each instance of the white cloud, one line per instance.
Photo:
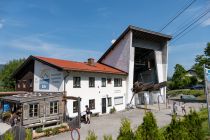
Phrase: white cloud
(206, 23)
(36, 46)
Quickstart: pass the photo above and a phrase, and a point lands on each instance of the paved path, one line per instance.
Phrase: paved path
(4, 127)
(110, 124)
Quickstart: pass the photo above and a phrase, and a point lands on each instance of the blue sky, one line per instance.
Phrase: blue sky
(77, 30)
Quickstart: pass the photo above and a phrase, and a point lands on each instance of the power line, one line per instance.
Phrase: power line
(188, 31)
(182, 11)
(195, 21)
(187, 22)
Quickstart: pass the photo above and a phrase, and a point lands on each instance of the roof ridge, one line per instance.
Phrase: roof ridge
(60, 59)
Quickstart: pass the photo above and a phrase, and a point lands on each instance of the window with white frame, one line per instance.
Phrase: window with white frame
(118, 100)
(91, 81)
(117, 82)
(109, 80)
(54, 107)
(103, 82)
(76, 82)
(110, 101)
(33, 110)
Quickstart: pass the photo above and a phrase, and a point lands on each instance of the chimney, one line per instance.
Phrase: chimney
(91, 62)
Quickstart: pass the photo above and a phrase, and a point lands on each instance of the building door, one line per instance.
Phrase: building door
(103, 105)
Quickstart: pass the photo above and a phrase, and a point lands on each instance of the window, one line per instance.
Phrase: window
(109, 101)
(103, 82)
(18, 84)
(30, 83)
(91, 81)
(76, 81)
(92, 104)
(118, 100)
(54, 107)
(24, 84)
(75, 106)
(117, 82)
(109, 80)
(33, 110)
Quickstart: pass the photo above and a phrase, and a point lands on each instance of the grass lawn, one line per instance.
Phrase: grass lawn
(196, 93)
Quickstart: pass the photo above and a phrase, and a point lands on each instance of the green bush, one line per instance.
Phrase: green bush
(47, 132)
(6, 116)
(112, 110)
(148, 130)
(63, 126)
(126, 132)
(8, 136)
(55, 130)
(176, 130)
(29, 135)
(91, 136)
(193, 124)
(39, 130)
(196, 93)
(107, 137)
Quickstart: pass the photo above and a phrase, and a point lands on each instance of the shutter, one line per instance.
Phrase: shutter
(25, 111)
(60, 107)
(41, 109)
(47, 106)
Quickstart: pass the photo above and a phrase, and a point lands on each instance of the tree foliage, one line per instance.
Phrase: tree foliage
(200, 60)
(193, 125)
(148, 130)
(176, 130)
(179, 80)
(6, 73)
(126, 132)
(91, 135)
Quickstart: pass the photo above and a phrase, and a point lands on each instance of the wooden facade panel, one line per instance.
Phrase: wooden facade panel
(47, 106)
(31, 121)
(25, 111)
(25, 78)
(42, 109)
(60, 107)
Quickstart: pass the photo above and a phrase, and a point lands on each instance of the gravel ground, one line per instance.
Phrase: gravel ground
(110, 124)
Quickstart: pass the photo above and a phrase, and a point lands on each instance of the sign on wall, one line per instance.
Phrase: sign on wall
(44, 80)
(56, 78)
(207, 89)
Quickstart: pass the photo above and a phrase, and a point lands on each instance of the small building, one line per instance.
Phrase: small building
(192, 73)
(36, 109)
(137, 55)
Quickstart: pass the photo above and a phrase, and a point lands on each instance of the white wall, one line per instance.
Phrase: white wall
(97, 92)
(161, 56)
(122, 57)
(118, 57)
(55, 77)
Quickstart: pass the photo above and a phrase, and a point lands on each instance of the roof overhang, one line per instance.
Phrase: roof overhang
(32, 58)
(139, 33)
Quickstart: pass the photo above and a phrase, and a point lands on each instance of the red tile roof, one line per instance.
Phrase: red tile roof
(80, 66)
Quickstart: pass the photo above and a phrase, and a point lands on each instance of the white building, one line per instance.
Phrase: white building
(137, 55)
